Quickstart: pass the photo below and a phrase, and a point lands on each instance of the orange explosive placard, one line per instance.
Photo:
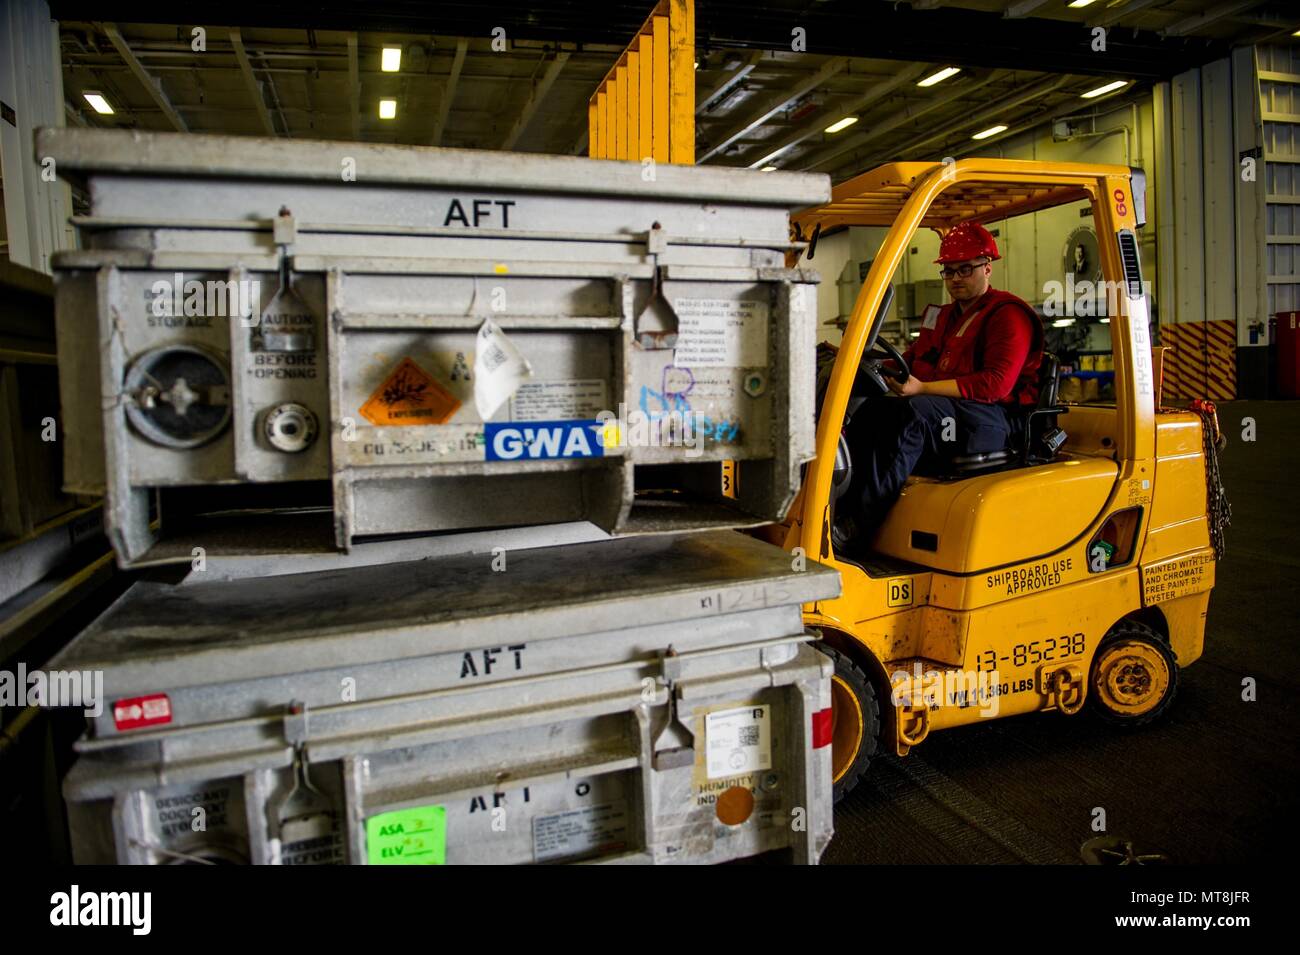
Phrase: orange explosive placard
(410, 396)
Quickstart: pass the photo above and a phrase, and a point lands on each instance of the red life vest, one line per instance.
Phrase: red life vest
(953, 348)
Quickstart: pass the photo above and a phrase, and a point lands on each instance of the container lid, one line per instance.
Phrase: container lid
(201, 633)
(84, 151)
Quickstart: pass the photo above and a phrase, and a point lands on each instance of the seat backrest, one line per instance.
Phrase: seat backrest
(1048, 380)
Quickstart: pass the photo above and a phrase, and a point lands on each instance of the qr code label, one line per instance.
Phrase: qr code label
(738, 740)
(493, 358)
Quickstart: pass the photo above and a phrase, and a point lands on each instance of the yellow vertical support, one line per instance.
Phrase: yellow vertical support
(645, 105)
(596, 146)
(647, 97)
(660, 122)
(681, 82)
(633, 102)
(620, 112)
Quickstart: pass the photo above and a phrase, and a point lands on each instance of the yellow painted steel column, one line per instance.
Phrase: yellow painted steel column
(659, 117)
(633, 102)
(645, 105)
(681, 84)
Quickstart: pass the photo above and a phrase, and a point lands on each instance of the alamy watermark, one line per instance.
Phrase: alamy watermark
(80, 688)
(960, 688)
(1086, 298)
(234, 298)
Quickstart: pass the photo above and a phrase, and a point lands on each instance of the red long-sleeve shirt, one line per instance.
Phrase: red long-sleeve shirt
(992, 349)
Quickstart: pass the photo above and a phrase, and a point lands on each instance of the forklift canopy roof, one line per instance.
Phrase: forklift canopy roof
(1005, 188)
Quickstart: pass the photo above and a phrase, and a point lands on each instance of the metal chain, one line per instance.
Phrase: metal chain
(1218, 510)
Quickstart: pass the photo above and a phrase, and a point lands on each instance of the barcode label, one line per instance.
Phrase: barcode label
(493, 358)
(738, 741)
(499, 369)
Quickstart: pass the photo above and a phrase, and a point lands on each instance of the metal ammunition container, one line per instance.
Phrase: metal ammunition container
(651, 699)
(275, 346)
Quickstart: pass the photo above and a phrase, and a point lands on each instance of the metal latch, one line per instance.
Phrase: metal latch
(304, 813)
(674, 745)
(664, 334)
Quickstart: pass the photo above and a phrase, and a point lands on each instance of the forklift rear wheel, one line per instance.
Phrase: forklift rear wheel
(855, 723)
(1134, 675)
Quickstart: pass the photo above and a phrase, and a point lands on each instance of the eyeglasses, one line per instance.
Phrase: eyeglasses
(963, 271)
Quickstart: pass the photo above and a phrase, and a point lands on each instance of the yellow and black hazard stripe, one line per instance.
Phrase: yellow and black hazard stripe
(1202, 361)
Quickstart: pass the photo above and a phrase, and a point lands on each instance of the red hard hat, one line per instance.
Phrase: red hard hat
(965, 241)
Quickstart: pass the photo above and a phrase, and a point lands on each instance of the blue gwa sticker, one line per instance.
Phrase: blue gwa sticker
(519, 440)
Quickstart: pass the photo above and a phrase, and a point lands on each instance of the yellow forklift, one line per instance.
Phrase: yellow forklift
(1072, 568)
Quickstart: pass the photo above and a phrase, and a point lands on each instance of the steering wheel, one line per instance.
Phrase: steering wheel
(872, 368)
(870, 376)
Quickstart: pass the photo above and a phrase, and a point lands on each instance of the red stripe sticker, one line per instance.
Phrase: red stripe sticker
(140, 711)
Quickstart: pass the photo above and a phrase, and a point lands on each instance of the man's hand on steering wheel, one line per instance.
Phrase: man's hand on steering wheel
(884, 378)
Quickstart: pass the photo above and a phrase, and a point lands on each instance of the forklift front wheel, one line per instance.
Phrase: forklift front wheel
(855, 723)
(1134, 675)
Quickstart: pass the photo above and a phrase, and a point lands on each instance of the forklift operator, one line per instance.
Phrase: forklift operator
(974, 361)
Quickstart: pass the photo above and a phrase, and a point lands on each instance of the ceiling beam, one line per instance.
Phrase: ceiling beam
(817, 124)
(449, 93)
(354, 88)
(74, 114)
(1213, 15)
(1113, 15)
(152, 85)
(775, 104)
(990, 114)
(893, 31)
(1023, 8)
(540, 89)
(250, 81)
(728, 83)
(1063, 110)
(908, 114)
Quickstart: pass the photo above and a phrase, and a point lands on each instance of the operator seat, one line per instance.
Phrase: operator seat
(1034, 439)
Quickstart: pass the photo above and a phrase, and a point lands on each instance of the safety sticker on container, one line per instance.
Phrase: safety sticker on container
(542, 440)
(558, 400)
(499, 369)
(410, 396)
(140, 711)
(408, 837)
(714, 332)
(580, 833)
(738, 741)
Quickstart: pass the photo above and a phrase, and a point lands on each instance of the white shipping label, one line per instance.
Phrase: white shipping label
(580, 832)
(577, 399)
(721, 332)
(499, 369)
(738, 741)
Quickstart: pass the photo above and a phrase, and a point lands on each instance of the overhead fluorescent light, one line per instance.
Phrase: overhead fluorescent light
(844, 123)
(1062, 322)
(390, 61)
(98, 103)
(1080, 4)
(939, 77)
(1103, 90)
(768, 169)
(387, 108)
(991, 131)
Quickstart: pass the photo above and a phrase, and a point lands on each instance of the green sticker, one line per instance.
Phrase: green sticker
(408, 837)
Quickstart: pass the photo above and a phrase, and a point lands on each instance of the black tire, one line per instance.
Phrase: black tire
(1133, 632)
(849, 678)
